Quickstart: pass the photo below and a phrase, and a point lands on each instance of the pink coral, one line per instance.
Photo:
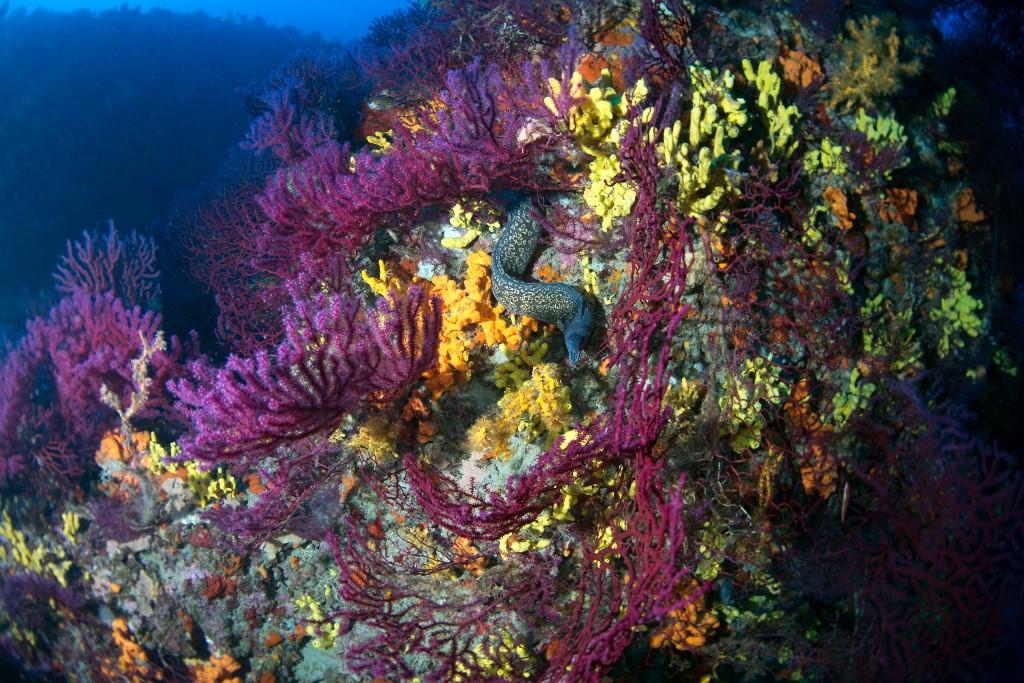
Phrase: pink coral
(333, 356)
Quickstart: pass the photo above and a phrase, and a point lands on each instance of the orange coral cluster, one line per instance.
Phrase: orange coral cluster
(691, 626)
(469, 307)
(117, 458)
(133, 663)
(417, 424)
(837, 204)
(898, 206)
(112, 447)
(966, 209)
(819, 470)
(468, 556)
(799, 70)
(218, 669)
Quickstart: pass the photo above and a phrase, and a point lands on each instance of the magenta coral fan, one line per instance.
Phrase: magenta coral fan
(282, 128)
(334, 201)
(126, 267)
(648, 536)
(50, 383)
(224, 257)
(333, 355)
(409, 613)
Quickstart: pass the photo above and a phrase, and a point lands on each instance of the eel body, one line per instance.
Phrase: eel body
(555, 303)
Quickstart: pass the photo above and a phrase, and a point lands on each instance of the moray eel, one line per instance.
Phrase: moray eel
(555, 303)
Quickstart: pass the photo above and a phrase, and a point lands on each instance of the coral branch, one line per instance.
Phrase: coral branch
(95, 265)
(333, 356)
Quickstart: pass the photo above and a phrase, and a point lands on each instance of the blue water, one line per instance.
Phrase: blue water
(338, 20)
(116, 113)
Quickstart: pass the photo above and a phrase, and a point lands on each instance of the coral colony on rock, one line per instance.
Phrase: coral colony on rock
(557, 341)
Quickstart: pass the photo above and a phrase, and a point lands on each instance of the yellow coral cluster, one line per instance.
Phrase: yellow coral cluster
(39, 560)
(684, 398)
(376, 437)
(534, 535)
(496, 656)
(206, 486)
(745, 397)
(828, 158)
(325, 633)
(598, 121)
(887, 332)
(209, 486)
(72, 523)
(470, 319)
(869, 65)
(380, 141)
(608, 198)
(701, 161)
(778, 118)
(881, 130)
(957, 311)
(540, 406)
(384, 282)
(517, 369)
(475, 217)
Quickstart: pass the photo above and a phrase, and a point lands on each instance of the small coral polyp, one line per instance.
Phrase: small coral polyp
(619, 345)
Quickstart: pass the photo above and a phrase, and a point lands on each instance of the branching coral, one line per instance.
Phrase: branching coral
(463, 633)
(50, 406)
(334, 355)
(869, 65)
(650, 540)
(290, 134)
(126, 267)
(331, 201)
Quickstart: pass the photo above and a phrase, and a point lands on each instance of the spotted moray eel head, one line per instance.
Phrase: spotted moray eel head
(576, 333)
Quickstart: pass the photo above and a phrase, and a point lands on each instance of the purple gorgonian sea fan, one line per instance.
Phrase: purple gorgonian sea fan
(487, 129)
(334, 355)
(51, 412)
(97, 264)
(487, 132)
